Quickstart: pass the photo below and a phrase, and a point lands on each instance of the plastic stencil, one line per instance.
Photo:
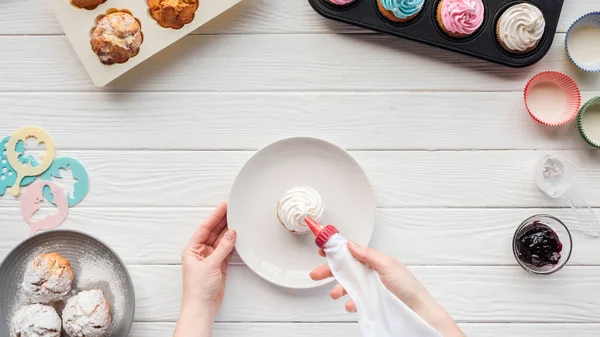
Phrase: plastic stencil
(28, 169)
(30, 203)
(81, 186)
(8, 175)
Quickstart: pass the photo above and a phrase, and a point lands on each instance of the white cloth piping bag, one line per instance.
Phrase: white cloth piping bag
(380, 313)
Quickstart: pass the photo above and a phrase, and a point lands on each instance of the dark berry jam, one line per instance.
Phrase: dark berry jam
(538, 245)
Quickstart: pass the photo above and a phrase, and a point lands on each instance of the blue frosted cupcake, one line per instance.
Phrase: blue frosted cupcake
(400, 10)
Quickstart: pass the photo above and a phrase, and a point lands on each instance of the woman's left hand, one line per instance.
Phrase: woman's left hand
(205, 260)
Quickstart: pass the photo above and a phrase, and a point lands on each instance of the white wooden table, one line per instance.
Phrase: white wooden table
(444, 138)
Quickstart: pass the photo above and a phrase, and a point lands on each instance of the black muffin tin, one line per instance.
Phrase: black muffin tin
(425, 28)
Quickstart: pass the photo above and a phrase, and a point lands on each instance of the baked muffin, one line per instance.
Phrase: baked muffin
(117, 38)
(173, 13)
(48, 278)
(35, 320)
(87, 4)
(297, 204)
(87, 314)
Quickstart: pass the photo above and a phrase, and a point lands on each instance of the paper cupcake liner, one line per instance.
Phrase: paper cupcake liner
(590, 19)
(567, 85)
(581, 127)
(284, 226)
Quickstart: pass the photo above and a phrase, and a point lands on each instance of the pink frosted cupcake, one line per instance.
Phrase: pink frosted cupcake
(341, 2)
(460, 18)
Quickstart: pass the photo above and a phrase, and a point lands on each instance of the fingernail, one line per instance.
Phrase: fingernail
(229, 235)
(352, 244)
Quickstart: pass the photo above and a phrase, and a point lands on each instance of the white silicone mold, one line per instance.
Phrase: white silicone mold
(77, 24)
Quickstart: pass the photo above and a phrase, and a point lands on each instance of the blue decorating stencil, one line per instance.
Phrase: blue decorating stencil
(8, 176)
(81, 186)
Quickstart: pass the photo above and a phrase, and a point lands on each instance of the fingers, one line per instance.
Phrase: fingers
(351, 307)
(217, 232)
(338, 292)
(210, 225)
(321, 252)
(370, 257)
(321, 272)
(224, 248)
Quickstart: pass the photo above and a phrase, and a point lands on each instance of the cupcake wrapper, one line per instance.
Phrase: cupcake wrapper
(568, 86)
(284, 226)
(590, 19)
(580, 126)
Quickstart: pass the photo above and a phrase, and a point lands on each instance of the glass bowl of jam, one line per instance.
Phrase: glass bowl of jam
(542, 244)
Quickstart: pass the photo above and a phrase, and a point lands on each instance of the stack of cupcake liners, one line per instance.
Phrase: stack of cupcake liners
(592, 21)
(585, 126)
(588, 115)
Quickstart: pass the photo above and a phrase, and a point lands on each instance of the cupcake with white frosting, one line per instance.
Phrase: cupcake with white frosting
(520, 28)
(297, 204)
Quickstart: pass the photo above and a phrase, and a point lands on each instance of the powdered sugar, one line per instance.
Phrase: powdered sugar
(94, 266)
(87, 314)
(101, 273)
(36, 320)
(46, 280)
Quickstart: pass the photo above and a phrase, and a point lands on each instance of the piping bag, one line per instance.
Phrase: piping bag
(380, 313)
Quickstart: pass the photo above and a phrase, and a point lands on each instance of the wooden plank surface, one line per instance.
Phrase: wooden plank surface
(415, 236)
(144, 329)
(470, 294)
(249, 121)
(249, 17)
(400, 179)
(274, 63)
(444, 139)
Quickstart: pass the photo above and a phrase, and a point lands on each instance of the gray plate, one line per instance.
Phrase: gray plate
(93, 263)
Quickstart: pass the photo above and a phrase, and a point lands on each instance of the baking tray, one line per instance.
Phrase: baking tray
(78, 24)
(425, 28)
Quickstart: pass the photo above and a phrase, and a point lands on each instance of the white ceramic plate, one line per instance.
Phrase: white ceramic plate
(263, 243)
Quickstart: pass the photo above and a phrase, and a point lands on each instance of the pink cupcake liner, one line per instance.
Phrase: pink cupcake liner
(569, 88)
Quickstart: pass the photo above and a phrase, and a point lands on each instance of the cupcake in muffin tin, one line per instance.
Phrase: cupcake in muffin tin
(400, 10)
(87, 4)
(173, 13)
(520, 28)
(460, 18)
(517, 28)
(116, 38)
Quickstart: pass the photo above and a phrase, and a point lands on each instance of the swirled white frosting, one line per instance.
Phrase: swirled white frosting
(521, 27)
(298, 203)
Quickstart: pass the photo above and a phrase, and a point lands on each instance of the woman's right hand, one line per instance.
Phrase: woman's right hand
(400, 282)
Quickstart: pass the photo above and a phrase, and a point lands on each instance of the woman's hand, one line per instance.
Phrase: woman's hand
(400, 282)
(204, 262)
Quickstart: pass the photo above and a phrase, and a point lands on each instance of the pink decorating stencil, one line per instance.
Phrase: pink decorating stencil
(30, 203)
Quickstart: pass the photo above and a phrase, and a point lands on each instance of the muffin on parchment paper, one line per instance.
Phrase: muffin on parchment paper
(173, 13)
(48, 278)
(35, 320)
(87, 4)
(87, 314)
(116, 38)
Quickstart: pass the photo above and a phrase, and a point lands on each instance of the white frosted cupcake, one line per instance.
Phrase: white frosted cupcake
(520, 28)
(297, 204)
